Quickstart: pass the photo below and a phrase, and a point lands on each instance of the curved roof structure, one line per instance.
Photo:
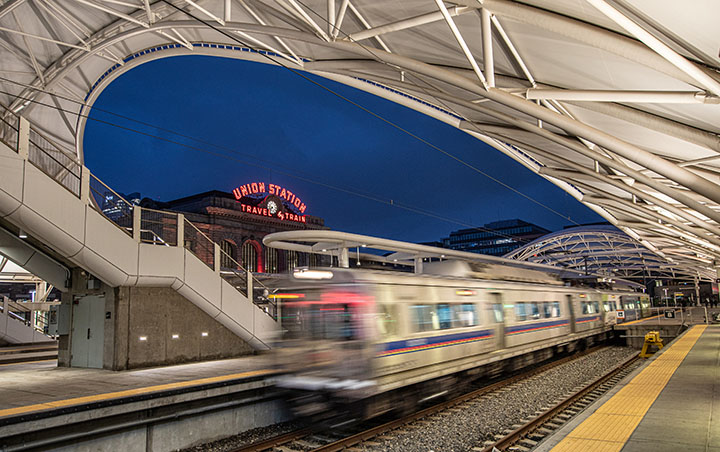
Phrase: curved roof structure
(605, 250)
(615, 101)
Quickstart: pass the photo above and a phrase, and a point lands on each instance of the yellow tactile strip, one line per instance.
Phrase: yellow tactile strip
(641, 320)
(608, 428)
(127, 393)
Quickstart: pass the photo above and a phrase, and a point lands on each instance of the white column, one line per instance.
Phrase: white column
(24, 138)
(84, 185)
(343, 259)
(181, 230)
(137, 216)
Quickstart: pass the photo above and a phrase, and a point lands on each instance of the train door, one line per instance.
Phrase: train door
(571, 312)
(498, 319)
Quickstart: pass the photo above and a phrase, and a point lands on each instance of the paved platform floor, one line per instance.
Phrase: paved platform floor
(671, 404)
(41, 385)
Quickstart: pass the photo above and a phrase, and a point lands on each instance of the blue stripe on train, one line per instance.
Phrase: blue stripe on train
(532, 327)
(426, 343)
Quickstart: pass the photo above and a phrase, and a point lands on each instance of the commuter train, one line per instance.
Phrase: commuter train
(357, 343)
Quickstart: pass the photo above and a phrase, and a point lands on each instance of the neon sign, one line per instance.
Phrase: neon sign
(272, 189)
(275, 202)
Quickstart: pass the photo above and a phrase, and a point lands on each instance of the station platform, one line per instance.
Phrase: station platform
(671, 403)
(34, 387)
(43, 406)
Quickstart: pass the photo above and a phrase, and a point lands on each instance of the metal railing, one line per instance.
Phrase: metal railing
(199, 244)
(115, 208)
(148, 226)
(9, 127)
(255, 291)
(53, 161)
(158, 227)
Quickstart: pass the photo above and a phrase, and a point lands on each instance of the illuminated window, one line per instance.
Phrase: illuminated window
(228, 254)
(387, 319)
(464, 315)
(293, 260)
(249, 257)
(444, 316)
(520, 313)
(314, 260)
(271, 260)
(425, 317)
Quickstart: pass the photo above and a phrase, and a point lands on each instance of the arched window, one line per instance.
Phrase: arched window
(228, 254)
(293, 260)
(251, 256)
(271, 260)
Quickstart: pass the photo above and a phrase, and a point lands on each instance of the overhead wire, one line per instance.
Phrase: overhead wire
(274, 168)
(371, 197)
(378, 116)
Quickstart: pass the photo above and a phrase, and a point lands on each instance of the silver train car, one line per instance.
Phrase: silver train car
(358, 343)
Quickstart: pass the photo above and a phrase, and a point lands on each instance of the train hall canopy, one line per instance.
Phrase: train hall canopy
(615, 101)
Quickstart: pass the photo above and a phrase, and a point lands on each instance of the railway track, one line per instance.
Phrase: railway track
(526, 437)
(307, 440)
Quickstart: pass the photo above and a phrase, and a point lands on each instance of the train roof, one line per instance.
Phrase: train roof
(429, 260)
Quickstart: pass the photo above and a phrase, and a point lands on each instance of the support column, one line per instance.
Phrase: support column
(418, 265)
(24, 138)
(249, 285)
(343, 259)
(181, 230)
(84, 185)
(137, 217)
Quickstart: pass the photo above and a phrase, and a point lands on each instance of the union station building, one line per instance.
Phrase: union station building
(238, 221)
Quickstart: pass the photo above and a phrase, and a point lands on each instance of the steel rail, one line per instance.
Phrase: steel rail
(373, 432)
(521, 433)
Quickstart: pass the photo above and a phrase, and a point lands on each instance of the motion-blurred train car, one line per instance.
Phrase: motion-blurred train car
(357, 343)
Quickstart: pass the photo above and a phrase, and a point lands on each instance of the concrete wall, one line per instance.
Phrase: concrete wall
(158, 315)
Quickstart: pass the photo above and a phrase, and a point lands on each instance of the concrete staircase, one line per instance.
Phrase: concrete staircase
(58, 202)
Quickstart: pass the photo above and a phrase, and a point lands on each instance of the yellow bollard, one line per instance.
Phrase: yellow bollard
(651, 338)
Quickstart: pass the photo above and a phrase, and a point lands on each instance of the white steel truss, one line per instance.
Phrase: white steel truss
(615, 101)
(605, 250)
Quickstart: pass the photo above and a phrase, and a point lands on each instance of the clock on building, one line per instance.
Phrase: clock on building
(272, 207)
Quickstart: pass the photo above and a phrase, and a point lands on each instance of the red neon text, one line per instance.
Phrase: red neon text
(271, 189)
(285, 216)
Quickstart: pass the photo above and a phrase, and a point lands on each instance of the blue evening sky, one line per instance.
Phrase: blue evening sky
(259, 123)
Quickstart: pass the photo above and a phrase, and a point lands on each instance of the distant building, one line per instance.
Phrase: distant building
(496, 239)
(238, 222)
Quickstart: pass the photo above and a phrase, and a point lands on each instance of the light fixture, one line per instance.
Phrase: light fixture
(143, 338)
(22, 234)
(204, 334)
(176, 336)
(313, 274)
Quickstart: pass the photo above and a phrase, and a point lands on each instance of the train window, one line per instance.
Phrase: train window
(498, 312)
(425, 317)
(596, 305)
(520, 313)
(534, 311)
(464, 315)
(445, 316)
(608, 307)
(555, 309)
(547, 310)
(387, 319)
